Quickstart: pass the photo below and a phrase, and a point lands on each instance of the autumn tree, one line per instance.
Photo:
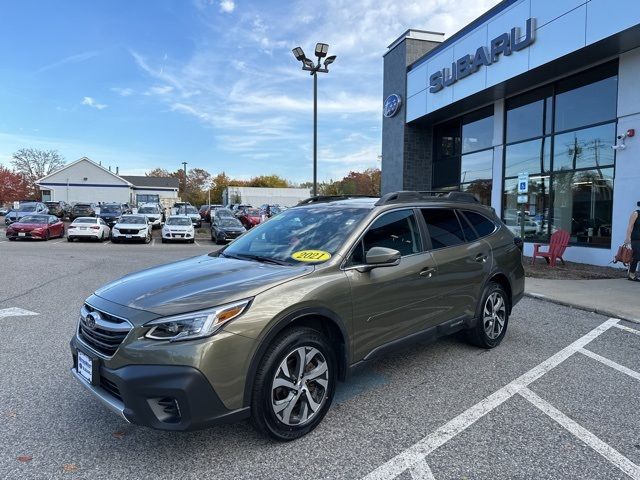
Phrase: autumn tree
(268, 181)
(34, 164)
(160, 172)
(12, 186)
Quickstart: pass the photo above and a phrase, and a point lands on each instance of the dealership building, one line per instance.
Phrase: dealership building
(534, 107)
(87, 181)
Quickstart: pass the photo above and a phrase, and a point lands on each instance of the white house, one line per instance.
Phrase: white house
(87, 181)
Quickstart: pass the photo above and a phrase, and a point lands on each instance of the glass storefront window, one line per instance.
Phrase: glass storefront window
(532, 157)
(446, 171)
(572, 189)
(477, 135)
(480, 188)
(582, 205)
(586, 105)
(585, 148)
(476, 166)
(525, 121)
(536, 210)
(447, 140)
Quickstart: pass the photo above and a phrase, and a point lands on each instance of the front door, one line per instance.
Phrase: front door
(390, 302)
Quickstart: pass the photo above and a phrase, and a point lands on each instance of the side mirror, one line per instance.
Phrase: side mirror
(381, 257)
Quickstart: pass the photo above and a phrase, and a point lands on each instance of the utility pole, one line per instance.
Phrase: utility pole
(184, 189)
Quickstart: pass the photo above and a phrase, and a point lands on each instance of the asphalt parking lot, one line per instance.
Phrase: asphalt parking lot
(560, 398)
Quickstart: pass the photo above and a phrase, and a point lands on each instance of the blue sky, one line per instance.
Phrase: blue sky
(144, 84)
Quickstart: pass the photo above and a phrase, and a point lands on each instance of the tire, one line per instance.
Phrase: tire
(62, 233)
(164, 240)
(69, 239)
(12, 239)
(115, 240)
(147, 239)
(492, 317)
(289, 423)
(47, 236)
(193, 240)
(102, 237)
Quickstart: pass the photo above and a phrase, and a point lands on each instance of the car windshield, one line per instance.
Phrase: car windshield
(84, 220)
(35, 219)
(178, 221)
(275, 210)
(27, 208)
(191, 210)
(296, 230)
(148, 210)
(110, 209)
(224, 212)
(229, 222)
(134, 220)
(252, 212)
(81, 206)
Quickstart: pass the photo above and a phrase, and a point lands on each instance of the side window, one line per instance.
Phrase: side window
(482, 224)
(443, 226)
(469, 233)
(396, 230)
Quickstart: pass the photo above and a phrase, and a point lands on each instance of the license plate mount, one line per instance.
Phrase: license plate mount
(88, 368)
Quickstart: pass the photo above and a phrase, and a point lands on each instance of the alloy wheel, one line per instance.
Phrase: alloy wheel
(300, 385)
(494, 315)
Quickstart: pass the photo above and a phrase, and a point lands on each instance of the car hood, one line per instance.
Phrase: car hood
(132, 226)
(197, 283)
(27, 226)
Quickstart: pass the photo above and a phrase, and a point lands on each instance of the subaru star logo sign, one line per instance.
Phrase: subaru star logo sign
(392, 105)
(91, 320)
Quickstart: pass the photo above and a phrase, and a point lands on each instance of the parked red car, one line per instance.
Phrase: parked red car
(250, 217)
(42, 227)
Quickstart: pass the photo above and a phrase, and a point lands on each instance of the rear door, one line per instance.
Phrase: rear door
(390, 302)
(461, 259)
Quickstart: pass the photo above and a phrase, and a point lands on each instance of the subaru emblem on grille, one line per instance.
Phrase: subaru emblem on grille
(91, 319)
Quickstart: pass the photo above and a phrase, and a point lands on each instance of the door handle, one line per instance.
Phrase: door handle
(481, 257)
(427, 272)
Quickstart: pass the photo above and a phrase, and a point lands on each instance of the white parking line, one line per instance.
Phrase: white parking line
(15, 312)
(417, 452)
(421, 471)
(610, 363)
(628, 329)
(196, 242)
(607, 451)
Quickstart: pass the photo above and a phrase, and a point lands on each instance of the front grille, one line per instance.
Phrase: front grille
(128, 231)
(110, 387)
(107, 333)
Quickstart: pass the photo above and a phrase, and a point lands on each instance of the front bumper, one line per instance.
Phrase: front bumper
(178, 235)
(128, 236)
(165, 397)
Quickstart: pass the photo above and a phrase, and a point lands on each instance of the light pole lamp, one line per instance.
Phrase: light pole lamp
(322, 67)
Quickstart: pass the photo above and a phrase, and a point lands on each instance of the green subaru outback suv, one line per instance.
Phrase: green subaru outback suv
(265, 327)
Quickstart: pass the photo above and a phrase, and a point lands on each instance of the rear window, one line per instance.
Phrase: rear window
(443, 226)
(84, 220)
(480, 223)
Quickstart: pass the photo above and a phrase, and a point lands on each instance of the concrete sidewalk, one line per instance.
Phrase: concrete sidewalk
(617, 298)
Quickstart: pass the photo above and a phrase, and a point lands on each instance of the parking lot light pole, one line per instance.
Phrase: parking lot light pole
(314, 69)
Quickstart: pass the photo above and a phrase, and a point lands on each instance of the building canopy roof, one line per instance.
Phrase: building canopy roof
(158, 182)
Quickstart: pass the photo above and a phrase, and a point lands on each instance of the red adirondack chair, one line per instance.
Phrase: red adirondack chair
(558, 244)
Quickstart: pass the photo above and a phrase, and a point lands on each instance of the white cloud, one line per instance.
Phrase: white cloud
(123, 92)
(243, 84)
(78, 57)
(159, 90)
(90, 102)
(227, 6)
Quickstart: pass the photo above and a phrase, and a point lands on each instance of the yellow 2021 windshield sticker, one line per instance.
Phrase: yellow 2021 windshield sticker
(311, 256)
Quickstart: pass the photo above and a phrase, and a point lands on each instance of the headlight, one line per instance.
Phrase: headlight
(196, 324)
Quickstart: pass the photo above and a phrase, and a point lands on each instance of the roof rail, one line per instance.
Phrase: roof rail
(331, 198)
(411, 196)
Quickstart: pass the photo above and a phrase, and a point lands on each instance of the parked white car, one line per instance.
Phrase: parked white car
(131, 227)
(178, 228)
(153, 213)
(92, 228)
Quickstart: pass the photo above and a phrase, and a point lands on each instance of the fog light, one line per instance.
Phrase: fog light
(166, 409)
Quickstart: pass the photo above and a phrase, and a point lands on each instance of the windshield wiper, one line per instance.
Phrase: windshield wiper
(257, 258)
